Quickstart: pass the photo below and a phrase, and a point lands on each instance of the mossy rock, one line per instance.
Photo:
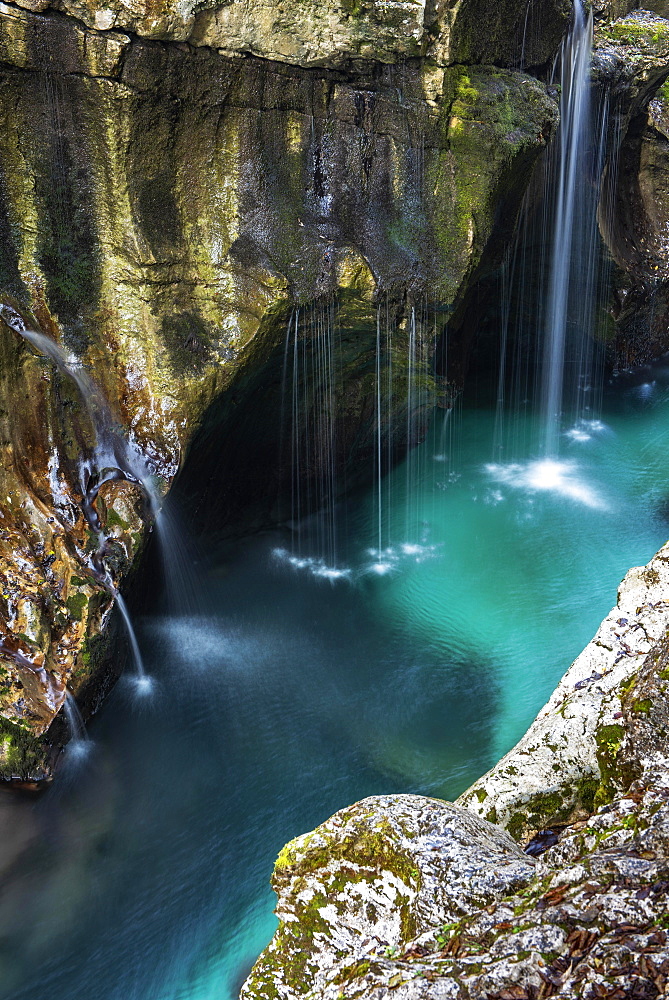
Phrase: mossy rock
(22, 755)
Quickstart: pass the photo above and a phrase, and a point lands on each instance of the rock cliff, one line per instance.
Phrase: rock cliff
(174, 191)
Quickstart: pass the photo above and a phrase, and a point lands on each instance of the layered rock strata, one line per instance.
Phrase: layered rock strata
(333, 34)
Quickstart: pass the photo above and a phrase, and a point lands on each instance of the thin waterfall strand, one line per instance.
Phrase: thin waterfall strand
(574, 124)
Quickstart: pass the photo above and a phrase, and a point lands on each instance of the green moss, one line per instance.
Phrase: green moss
(465, 91)
(337, 861)
(587, 789)
(491, 815)
(366, 848)
(76, 604)
(22, 755)
(516, 825)
(642, 706)
(113, 519)
(188, 340)
(92, 655)
(158, 211)
(626, 684)
(547, 808)
(608, 740)
(633, 32)
(352, 8)
(353, 971)
(481, 794)
(68, 246)
(10, 241)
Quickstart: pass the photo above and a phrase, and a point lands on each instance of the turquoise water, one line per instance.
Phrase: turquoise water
(142, 873)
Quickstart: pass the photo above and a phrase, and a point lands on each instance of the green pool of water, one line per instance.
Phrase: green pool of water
(298, 687)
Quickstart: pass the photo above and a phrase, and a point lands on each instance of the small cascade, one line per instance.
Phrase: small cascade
(80, 741)
(114, 458)
(113, 452)
(381, 551)
(143, 682)
(573, 172)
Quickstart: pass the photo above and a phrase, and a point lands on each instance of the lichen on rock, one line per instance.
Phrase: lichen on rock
(567, 762)
(373, 877)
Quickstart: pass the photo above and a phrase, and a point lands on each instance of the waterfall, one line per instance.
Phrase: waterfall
(79, 739)
(379, 436)
(575, 120)
(143, 682)
(311, 370)
(113, 457)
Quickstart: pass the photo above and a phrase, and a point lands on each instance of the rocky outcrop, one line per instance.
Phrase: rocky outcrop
(370, 880)
(332, 34)
(588, 921)
(632, 62)
(565, 765)
(418, 899)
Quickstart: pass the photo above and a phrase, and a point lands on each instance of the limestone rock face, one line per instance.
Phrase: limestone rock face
(642, 296)
(165, 213)
(632, 62)
(332, 33)
(566, 762)
(630, 58)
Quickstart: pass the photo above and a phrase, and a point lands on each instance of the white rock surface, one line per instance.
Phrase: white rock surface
(375, 876)
(560, 749)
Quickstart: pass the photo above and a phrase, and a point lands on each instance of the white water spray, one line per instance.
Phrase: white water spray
(80, 742)
(144, 683)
